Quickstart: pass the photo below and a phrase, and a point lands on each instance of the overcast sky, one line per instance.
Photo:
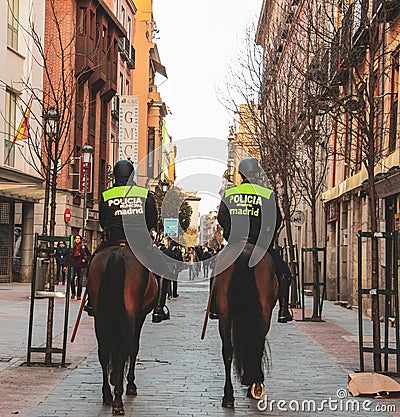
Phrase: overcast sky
(198, 42)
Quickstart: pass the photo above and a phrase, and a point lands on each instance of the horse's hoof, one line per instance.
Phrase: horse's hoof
(118, 411)
(131, 390)
(228, 403)
(257, 390)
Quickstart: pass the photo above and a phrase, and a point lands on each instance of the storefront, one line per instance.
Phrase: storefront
(17, 203)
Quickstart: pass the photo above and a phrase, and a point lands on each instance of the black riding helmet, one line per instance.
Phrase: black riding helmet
(123, 170)
(249, 168)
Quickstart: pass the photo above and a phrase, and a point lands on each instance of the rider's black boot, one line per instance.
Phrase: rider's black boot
(159, 313)
(88, 307)
(284, 314)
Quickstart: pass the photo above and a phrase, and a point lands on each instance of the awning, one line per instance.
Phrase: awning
(156, 61)
(21, 191)
(384, 188)
(158, 67)
(344, 187)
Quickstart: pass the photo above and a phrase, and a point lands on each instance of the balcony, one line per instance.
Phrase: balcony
(124, 48)
(84, 57)
(100, 70)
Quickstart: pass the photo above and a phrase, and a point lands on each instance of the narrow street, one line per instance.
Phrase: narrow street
(177, 373)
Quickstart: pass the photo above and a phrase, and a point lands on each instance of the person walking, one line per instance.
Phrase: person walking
(78, 257)
(190, 258)
(177, 255)
(206, 263)
(61, 253)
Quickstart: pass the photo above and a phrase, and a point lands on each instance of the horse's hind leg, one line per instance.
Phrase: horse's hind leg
(228, 400)
(131, 388)
(106, 390)
(116, 379)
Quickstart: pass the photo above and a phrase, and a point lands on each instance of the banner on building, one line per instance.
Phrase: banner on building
(128, 134)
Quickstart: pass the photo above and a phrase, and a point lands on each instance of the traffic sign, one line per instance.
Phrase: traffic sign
(171, 227)
(67, 215)
(298, 218)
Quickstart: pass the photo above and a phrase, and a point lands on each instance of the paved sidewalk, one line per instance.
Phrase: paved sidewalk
(177, 373)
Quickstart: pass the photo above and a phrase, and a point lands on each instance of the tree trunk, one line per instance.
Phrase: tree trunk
(313, 193)
(291, 257)
(376, 330)
(50, 309)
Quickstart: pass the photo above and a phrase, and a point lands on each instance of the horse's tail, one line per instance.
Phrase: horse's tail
(248, 330)
(111, 307)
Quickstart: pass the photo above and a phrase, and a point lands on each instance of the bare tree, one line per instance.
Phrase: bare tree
(264, 109)
(360, 71)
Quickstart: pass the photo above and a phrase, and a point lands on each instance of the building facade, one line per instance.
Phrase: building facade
(349, 77)
(90, 50)
(20, 179)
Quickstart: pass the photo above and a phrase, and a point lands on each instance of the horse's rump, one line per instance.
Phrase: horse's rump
(250, 297)
(121, 291)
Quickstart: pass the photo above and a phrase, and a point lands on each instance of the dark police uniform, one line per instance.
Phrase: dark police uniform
(247, 213)
(131, 202)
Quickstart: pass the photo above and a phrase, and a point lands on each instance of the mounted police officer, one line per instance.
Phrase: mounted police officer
(123, 209)
(244, 215)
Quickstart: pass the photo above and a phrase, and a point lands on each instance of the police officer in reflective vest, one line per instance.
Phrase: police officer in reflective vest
(243, 214)
(125, 204)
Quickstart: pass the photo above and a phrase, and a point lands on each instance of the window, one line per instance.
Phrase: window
(10, 128)
(129, 28)
(116, 8)
(104, 120)
(12, 27)
(348, 144)
(150, 155)
(394, 105)
(92, 113)
(123, 13)
(127, 88)
(82, 21)
(121, 84)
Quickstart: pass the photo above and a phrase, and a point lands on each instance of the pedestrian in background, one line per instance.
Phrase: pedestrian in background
(61, 253)
(78, 257)
(206, 264)
(191, 259)
(177, 254)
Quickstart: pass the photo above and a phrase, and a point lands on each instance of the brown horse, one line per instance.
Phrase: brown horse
(244, 299)
(122, 292)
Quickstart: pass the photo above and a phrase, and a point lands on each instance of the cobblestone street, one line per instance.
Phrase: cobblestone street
(177, 373)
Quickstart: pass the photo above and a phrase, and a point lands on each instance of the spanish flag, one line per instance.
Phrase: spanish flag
(23, 128)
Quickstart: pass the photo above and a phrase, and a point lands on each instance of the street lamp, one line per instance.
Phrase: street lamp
(51, 119)
(87, 152)
(164, 186)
